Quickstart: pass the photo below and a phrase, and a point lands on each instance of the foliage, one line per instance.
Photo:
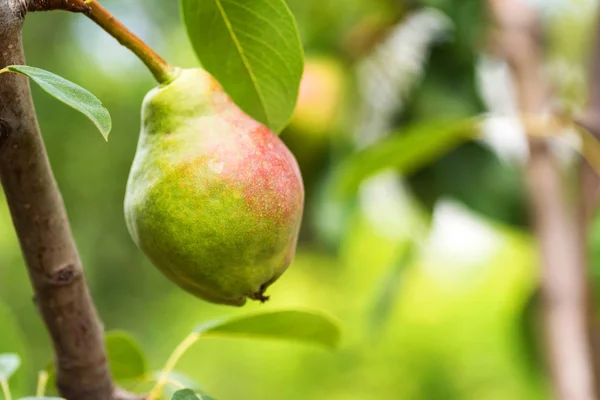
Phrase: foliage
(69, 93)
(254, 51)
(448, 319)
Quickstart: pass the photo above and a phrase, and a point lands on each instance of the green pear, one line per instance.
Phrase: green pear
(214, 198)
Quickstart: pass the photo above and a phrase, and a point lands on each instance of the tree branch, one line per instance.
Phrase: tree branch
(564, 277)
(590, 183)
(591, 121)
(162, 71)
(40, 220)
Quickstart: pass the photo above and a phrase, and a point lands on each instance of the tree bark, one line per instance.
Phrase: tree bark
(61, 294)
(590, 183)
(556, 224)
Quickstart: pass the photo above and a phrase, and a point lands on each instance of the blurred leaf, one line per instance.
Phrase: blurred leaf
(9, 363)
(387, 293)
(126, 357)
(332, 215)
(253, 49)
(185, 394)
(12, 341)
(301, 326)
(476, 176)
(412, 148)
(70, 94)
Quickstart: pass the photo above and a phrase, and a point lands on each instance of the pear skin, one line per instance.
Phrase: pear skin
(214, 198)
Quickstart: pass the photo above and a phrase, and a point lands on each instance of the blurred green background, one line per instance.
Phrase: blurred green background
(431, 269)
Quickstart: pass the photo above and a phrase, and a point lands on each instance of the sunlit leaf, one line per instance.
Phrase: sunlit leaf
(9, 363)
(253, 49)
(185, 394)
(177, 381)
(126, 357)
(294, 325)
(413, 147)
(70, 94)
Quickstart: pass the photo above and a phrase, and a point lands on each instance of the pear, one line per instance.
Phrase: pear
(214, 198)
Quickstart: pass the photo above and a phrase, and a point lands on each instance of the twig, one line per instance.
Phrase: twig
(40, 220)
(162, 71)
(564, 285)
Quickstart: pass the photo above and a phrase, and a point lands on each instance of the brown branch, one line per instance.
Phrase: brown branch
(162, 71)
(591, 121)
(564, 277)
(40, 220)
(590, 185)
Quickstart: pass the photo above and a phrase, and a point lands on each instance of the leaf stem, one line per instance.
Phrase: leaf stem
(170, 365)
(5, 389)
(41, 384)
(163, 72)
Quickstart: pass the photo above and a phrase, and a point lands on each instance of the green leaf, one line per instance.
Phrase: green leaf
(294, 325)
(412, 148)
(126, 357)
(9, 363)
(387, 292)
(185, 394)
(70, 94)
(177, 381)
(253, 49)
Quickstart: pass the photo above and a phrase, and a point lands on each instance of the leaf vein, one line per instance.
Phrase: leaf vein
(242, 56)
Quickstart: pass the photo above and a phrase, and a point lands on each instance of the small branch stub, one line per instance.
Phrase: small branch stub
(66, 5)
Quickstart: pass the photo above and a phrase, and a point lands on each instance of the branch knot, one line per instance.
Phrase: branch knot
(64, 276)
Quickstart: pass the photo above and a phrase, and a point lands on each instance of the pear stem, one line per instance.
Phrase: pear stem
(163, 72)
